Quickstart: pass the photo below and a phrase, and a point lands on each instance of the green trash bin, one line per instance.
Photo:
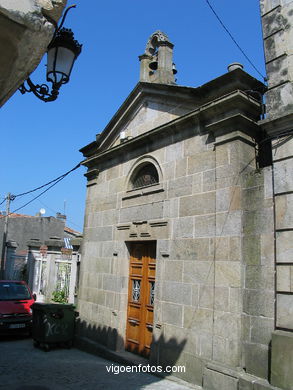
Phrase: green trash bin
(53, 324)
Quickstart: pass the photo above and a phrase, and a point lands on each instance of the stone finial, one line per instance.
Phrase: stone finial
(155, 39)
(233, 66)
(11, 244)
(156, 64)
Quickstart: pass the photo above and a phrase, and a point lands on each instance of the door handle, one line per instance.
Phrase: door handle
(150, 327)
(134, 322)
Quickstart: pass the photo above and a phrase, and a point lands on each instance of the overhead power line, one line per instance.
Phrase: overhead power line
(36, 197)
(234, 40)
(52, 182)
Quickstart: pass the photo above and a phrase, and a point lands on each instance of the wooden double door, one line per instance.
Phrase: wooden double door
(140, 314)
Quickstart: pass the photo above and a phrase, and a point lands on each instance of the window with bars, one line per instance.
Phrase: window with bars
(136, 290)
(152, 293)
(145, 176)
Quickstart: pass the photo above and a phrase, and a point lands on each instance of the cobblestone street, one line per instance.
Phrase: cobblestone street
(23, 367)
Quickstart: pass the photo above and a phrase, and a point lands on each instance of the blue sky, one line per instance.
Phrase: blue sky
(41, 141)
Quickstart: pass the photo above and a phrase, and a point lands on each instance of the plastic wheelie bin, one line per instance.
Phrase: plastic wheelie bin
(53, 325)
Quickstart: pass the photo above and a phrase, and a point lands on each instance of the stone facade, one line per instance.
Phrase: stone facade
(277, 33)
(211, 215)
(277, 23)
(26, 29)
(219, 212)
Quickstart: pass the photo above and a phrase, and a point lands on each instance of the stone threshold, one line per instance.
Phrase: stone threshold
(220, 377)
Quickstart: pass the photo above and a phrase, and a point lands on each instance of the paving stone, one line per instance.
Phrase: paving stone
(214, 380)
(63, 369)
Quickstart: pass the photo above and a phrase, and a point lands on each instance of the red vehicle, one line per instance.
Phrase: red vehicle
(15, 307)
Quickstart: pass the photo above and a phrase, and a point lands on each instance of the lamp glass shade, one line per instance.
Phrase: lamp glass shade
(62, 52)
(59, 64)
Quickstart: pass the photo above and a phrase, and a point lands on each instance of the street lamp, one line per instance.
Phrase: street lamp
(61, 55)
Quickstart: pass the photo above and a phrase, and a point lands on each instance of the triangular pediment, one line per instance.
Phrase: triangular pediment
(151, 106)
(149, 115)
(147, 107)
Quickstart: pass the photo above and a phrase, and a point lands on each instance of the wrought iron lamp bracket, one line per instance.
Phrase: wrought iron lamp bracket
(42, 90)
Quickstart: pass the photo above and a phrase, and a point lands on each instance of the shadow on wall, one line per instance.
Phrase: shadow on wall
(105, 336)
(103, 341)
(167, 352)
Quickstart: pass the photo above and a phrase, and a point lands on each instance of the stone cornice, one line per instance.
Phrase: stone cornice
(277, 125)
(191, 96)
(217, 115)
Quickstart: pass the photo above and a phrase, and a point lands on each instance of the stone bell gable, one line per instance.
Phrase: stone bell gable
(156, 100)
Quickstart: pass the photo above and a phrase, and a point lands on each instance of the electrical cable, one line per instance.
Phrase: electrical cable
(50, 182)
(286, 133)
(3, 201)
(234, 40)
(36, 197)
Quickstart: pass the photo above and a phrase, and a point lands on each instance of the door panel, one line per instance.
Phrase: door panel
(142, 270)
